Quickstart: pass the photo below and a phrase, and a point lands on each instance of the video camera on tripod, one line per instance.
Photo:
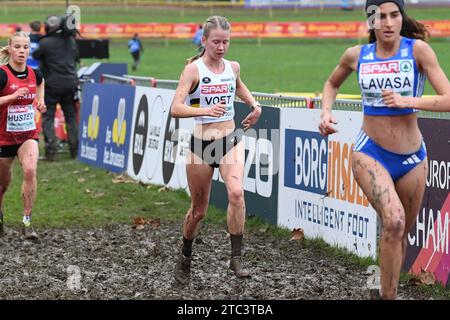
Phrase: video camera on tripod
(66, 25)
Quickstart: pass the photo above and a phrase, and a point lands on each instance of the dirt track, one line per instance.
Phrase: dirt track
(120, 262)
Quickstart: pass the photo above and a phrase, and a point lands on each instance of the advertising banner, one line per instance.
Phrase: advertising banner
(428, 239)
(105, 125)
(158, 142)
(318, 192)
(293, 29)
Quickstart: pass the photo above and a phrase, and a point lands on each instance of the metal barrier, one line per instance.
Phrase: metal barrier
(166, 84)
(142, 81)
(109, 78)
(152, 82)
(281, 101)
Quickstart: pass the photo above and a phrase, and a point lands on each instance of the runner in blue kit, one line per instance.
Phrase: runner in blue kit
(206, 91)
(389, 158)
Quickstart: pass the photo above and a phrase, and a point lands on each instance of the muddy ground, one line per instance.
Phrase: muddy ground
(120, 262)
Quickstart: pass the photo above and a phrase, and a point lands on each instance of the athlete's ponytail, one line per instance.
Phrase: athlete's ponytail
(196, 57)
(4, 55)
(4, 52)
(213, 22)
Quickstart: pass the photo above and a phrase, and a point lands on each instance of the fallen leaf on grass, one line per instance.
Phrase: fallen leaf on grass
(98, 194)
(154, 222)
(298, 234)
(81, 180)
(424, 277)
(140, 222)
(160, 203)
(88, 191)
(124, 178)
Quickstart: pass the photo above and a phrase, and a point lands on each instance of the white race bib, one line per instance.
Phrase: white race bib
(20, 118)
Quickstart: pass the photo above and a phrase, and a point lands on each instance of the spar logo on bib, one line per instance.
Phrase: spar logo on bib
(390, 67)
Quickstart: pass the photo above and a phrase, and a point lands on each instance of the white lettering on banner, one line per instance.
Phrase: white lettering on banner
(311, 154)
(138, 147)
(169, 152)
(84, 131)
(113, 159)
(108, 135)
(88, 152)
(257, 148)
(439, 175)
(438, 231)
(350, 223)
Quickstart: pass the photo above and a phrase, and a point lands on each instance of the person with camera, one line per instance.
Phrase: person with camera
(58, 52)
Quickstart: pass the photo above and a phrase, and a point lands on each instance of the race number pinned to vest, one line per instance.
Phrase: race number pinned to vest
(20, 118)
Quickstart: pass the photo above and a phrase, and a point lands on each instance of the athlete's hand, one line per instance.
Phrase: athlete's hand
(40, 105)
(251, 118)
(217, 110)
(394, 100)
(326, 124)
(20, 93)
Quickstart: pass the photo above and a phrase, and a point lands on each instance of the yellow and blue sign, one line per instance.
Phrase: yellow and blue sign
(105, 124)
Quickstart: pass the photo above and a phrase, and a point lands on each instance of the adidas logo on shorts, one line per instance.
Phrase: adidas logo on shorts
(411, 160)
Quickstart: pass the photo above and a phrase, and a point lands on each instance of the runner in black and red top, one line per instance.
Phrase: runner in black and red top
(21, 96)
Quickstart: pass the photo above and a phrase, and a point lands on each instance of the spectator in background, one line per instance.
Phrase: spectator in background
(35, 36)
(135, 47)
(58, 52)
(197, 39)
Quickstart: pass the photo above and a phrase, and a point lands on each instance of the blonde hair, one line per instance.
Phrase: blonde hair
(213, 22)
(4, 53)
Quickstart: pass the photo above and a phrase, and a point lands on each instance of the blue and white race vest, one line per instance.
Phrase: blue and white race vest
(399, 73)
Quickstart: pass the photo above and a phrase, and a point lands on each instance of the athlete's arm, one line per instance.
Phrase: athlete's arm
(245, 95)
(178, 109)
(40, 91)
(429, 65)
(345, 67)
(10, 98)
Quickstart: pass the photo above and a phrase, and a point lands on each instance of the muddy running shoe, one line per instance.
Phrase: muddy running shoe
(374, 294)
(28, 232)
(182, 272)
(236, 266)
(2, 228)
